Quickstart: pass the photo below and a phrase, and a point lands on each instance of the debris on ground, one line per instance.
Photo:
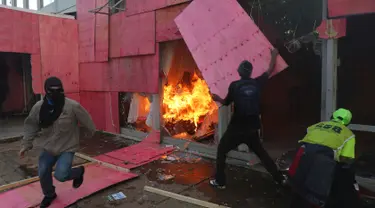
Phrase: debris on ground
(116, 196)
(165, 177)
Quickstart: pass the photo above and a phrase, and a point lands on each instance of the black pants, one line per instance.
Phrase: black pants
(234, 136)
(343, 193)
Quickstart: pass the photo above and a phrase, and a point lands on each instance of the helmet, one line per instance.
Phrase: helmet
(343, 116)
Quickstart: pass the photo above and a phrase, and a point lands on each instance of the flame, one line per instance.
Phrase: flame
(187, 103)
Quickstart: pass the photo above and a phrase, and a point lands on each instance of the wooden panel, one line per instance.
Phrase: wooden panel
(134, 74)
(141, 6)
(166, 28)
(96, 178)
(94, 103)
(219, 48)
(59, 51)
(86, 21)
(112, 112)
(341, 8)
(133, 35)
(103, 107)
(18, 31)
(93, 77)
(36, 74)
(101, 33)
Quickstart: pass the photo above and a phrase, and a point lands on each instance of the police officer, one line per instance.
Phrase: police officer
(321, 173)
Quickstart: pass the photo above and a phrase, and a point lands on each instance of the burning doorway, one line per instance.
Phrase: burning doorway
(188, 111)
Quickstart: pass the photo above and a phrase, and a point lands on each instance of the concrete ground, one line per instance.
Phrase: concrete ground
(11, 127)
(189, 176)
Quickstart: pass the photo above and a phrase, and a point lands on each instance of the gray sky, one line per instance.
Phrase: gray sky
(32, 3)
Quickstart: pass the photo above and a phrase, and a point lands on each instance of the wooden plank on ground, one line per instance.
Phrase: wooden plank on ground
(108, 165)
(183, 198)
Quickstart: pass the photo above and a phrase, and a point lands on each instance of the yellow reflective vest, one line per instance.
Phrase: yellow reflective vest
(334, 135)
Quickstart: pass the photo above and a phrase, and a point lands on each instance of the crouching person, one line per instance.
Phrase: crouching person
(321, 173)
(56, 118)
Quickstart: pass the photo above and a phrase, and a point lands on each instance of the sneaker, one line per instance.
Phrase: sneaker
(214, 183)
(47, 201)
(78, 181)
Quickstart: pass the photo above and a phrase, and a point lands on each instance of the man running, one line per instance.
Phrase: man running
(57, 118)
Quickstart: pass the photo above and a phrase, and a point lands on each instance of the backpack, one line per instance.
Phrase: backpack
(247, 98)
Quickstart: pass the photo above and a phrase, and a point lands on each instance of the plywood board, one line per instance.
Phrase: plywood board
(166, 28)
(138, 154)
(103, 108)
(131, 36)
(112, 112)
(59, 51)
(18, 31)
(141, 6)
(93, 76)
(96, 178)
(36, 73)
(219, 48)
(101, 33)
(94, 103)
(342, 8)
(134, 74)
(130, 74)
(86, 27)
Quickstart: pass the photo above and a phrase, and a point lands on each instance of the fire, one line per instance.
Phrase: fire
(187, 103)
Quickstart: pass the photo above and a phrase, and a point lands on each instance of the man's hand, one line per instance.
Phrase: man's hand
(22, 152)
(274, 54)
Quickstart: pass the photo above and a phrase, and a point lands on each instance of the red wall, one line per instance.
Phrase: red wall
(121, 53)
(96, 56)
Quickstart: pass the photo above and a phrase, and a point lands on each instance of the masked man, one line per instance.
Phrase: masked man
(57, 118)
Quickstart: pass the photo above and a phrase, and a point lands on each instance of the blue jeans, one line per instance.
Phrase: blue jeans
(63, 172)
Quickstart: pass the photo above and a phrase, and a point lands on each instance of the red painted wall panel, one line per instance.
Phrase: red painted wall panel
(18, 31)
(74, 96)
(131, 36)
(341, 8)
(134, 74)
(112, 112)
(94, 77)
(166, 28)
(86, 22)
(94, 103)
(103, 108)
(141, 6)
(36, 73)
(101, 33)
(129, 74)
(59, 50)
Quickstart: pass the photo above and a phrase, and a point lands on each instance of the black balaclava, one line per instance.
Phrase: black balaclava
(245, 69)
(53, 102)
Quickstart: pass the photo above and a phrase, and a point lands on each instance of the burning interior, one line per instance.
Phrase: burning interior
(188, 111)
(186, 108)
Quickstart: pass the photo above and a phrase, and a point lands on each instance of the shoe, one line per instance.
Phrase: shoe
(47, 201)
(78, 181)
(214, 183)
